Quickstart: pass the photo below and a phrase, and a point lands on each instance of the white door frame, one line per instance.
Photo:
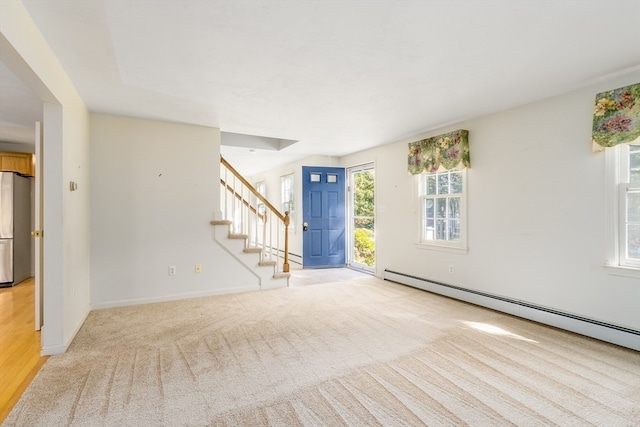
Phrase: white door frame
(38, 228)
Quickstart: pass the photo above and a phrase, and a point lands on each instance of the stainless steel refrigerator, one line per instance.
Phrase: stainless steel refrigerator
(15, 228)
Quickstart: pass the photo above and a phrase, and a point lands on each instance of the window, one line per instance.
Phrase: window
(443, 208)
(629, 205)
(624, 173)
(261, 188)
(286, 185)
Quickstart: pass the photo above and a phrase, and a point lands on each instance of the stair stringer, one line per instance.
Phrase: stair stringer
(250, 258)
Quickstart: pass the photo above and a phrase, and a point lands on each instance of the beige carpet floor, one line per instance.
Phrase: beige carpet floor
(354, 351)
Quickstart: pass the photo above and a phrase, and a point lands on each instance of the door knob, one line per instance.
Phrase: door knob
(305, 226)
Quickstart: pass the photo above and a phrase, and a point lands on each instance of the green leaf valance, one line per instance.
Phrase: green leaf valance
(616, 117)
(448, 151)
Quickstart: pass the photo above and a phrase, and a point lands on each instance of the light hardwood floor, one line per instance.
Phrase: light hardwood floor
(20, 358)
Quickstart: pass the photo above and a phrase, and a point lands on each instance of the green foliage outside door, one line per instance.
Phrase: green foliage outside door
(363, 226)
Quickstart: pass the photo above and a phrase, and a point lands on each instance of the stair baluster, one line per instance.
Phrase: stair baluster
(266, 232)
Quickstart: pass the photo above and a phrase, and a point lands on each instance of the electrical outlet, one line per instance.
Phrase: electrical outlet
(451, 269)
(198, 268)
(172, 270)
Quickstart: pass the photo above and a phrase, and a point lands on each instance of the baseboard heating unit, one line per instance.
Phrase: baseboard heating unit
(615, 334)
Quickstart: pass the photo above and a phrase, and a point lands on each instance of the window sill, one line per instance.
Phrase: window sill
(443, 248)
(617, 270)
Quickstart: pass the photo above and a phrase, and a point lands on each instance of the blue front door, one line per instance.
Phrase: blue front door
(323, 216)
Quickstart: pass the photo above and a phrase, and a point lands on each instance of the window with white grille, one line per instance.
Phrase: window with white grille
(442, 198)
(286, 186)
(628, 206)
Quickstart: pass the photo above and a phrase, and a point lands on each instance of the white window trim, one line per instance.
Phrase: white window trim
(442, 248)
(458, 247)
(293, 198)
(615, 172)
(617, 270)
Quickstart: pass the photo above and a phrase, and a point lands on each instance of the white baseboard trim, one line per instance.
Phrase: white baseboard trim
(51, 350)
(173, 297)
(614, 334)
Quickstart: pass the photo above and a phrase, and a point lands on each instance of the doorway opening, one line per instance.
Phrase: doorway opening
(361, 217)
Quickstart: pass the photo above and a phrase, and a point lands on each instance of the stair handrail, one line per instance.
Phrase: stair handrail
(285, 218)
(229, 188)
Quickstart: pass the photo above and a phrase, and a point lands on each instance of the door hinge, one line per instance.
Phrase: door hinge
(37, 233)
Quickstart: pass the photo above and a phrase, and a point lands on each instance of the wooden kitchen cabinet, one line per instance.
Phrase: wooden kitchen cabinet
(23, 163)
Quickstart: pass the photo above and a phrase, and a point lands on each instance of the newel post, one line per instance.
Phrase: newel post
(285, 265)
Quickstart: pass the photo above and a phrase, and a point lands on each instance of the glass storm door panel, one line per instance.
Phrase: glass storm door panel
(362, 217)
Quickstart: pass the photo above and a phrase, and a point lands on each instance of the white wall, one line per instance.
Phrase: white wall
(154, 192)
(535, 211)
(65, 216)
(75, 219)
(272, 180)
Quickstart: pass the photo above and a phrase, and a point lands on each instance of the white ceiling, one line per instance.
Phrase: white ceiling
(336, 76)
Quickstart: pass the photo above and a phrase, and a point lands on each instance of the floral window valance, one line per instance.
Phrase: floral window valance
(448, 151)
(616, 117)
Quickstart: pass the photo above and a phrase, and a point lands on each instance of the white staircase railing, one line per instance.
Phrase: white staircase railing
(251, 215)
